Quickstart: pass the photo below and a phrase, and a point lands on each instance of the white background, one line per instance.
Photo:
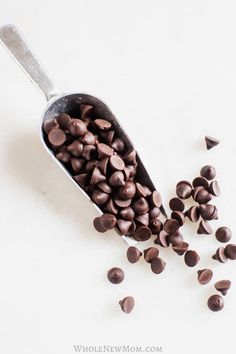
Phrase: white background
(168, 71)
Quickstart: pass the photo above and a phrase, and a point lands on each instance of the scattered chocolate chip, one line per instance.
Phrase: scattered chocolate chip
(180, 248)
(154, 213)
(50, 124)
(155, 226)
(170, 226)
(141, 206)
(127, 213)
(117, 179)
(175, 238)
(200, 182)
(97, 176)
(179, 216)
(156, 199)
(223, 234)
(122, 203)
(215, 303)
(201, 195)
(123, 226)
(176, 204)
(110, 207)
(150, 253)
(193, 213)
(142, 233)
(133, 254)
(127, 304)
(117, 163)
(230, 251)
(108, 221)
(214, 188)
(208, 212)
(157, 265)
(162, 239)
(220, 255)
(208, 172)
(211, 142)
(131, 229)
(223, 286)
(184, 190)
(127, 191)
(204, 228)
(98, 225)
(99, 197)
(143, 219)
(115, 275)
(191, 258)
(204, 276)
(56, 137)
(118, 145)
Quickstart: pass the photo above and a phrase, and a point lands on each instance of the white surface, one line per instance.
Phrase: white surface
(166, 63)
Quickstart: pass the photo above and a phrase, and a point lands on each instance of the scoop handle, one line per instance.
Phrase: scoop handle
(15, 43)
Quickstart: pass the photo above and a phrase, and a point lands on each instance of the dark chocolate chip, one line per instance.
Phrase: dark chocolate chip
(131, 229)
(110, 206)
(127, 213)
(127, 191)
(75, 148)
(211, 142)
(103, 165)
(117, 163)
(179, 216)
(230, 251)
(102, 124)
(154, 213)
(208, 172)
(50, 124)
(77, 127)
(115, 275)
(118, 145)
(191, 258)
(150, 253)
(117, 179)
(104, 150)
(123, 226)
(122, 203)
(200, 182)
(142, 233)
(204, 276)
(127, 304)
(99, 197)
(208, 211)
(141, 206)
(193, 213)
(181, 248)
(85, 111)
(155, 198)
(97, 176)
(214, 188)
(162, 239)
(133, 254)
(155, 226)
(176, 238)
(176, 204)
(223, 286)
(108, 221)
(130, 157)
(63, 156)
(88, 152)
(215, 303)
(104, 187)
(183, 190)
(140, 190)
(143, 219)
(204, 228)
(107, 136)
(157, 265)
(220, 255)
(56, 137)
(63, 120)
(98, 225)
(77, 164)
(88, 139)
(82, 179)
(201, 195)
(171, 226)
(223, 234)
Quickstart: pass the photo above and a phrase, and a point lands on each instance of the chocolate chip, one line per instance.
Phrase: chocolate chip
(215, 303)
(162, 239)
(183, 190)
(170, 226)
(63, 120)
(63, 156)
(150, 253)
(117, 179)
(103, 165)
(110, 206)
(117, 163)
(157, 265)
(50, 124)
(115, 275)
(130, 157)
(108, 221)
(154, 213)
(98, 225)
(142, 233)
(75, 148)
(97, 176)
(77, 164)
(77, 127)
(90, 165)
(208, 212)
(127, 213)
(204, 276)
(200, 182)
(123, 226)
(141, 206)
(88, 152)
(175, 238)
(214, 188)
(143, 219)
(99, 197)
(81, 179)
(104, 187)
(211, 142)
(102, 124)
(176, 204)
(108, 136)
(122, 203)
(179, 216)
(85, 110)
(140, 190)
(201, 195)
(155, 226)
(127, 191)
(133, 254)
(204, 228)
(191, 258)
(230, 251)
(127, 304)
(155, 198)
(147, 191)
(129, 171)
(181, 248)
(223, 286)
(104, 150)
(220, 255)
(131, 229)
(208, 172)
(88, 139)
(223, 234)
(56, 137)
(193, 213)
(118, 145)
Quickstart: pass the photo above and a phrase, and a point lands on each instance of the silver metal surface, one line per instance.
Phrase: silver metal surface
(66, 103)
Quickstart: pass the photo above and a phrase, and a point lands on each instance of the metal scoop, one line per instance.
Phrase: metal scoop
(58, 102)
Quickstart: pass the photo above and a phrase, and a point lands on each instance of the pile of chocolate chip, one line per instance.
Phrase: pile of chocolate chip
(108, 171)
